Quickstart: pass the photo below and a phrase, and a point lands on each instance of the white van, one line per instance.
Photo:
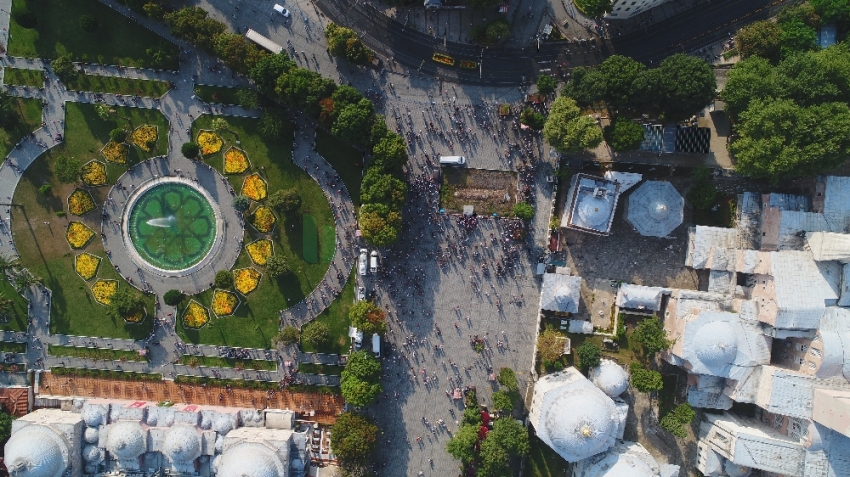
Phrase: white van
(452, 161)
(376, 345)
(361, 265)
(280, 9)
(373, 262)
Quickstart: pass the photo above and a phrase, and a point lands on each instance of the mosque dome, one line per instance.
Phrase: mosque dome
(182, 443)
(36, 451)
(93, 415)
(717, 344)
(658, 209)
(125, 440)
(250, 459)
(222, 424)
(90, 435)
(610, 377)
(594, 211)
(91, 454)
(579, 424)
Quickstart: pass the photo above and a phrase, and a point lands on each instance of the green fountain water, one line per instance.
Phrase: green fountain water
(172, 226)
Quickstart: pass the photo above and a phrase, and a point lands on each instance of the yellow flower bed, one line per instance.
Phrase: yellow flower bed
(195, 315)
(235, 161)
(254, 187)
(209, 142)
(260, 251)
(115, 152)
(80, 202)
(264, 219)
(103, 290)
(246, 280)
(94, 173)
(136, 318)
(78, 234)
(144, 137)
(224, 303)
(86, 265)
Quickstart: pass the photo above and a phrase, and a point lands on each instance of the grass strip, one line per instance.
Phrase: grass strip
(337, 321)
(346, 161)
(9, 347)
(310, 241)
(219, 362)
(328, 243)
(23, 77)
(95, 353)
(328, 369)
(217, 94)
(105, 374)
(115, 85)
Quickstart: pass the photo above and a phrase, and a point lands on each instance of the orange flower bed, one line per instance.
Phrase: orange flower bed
(264, 219)
(246, 280)
(260, 251)
(235, 161)
(78, 234)
(80, 202)
(224, 302)
(254, 187)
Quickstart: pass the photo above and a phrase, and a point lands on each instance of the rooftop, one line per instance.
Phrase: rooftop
(591, 203)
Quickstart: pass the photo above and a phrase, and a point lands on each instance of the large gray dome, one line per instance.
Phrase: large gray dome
(91, 454)
(579, 424)
(36, 451)
(125, 440)
(182, 443)
(717, 344)
(250, 459)
(594, 211)
(610, 377)
(93, 415)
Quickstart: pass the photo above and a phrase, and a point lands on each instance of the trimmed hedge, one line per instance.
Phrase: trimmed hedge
(105, 373)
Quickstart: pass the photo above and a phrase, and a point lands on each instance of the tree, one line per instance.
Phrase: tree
(645, 380)
(688, 85)
(624, 135)
(493, 459)
(586, 87)
(507, 378)
(219, 124)
(550, 345)
(276, 266)
(316, 334)
(379, 224)
(64, 68)
(760, 38)
(173, 297)
(268, 69)
(154, 10)
(651, 336)
(354, 124)
(675, 421)
(511, 435)
(193, 25)
(462, 444)
(24, 279)
(523, 211)
(285, 200)
(589, 355)
(362, 365)
(241, 203)
(380, 188)
(118, 135)
(498, 31)
(803, 12)
(832, 10)
(546, 84)
(88, 23)
(5, 427)
(702, 195)
(288, 335)
(816, 77)
(594, 8)
(567, 130)
(344, 42)
(359, 381)
(390, 153)
(532, 119)
(797, 36)
(750, 79)
(190, 150)
(620, 73)
(354, 440)
(502, 401)
(126, 302)
(66, 169)
(223, 279)
(368, 318)
(273, 123)
(238, 53)
(7, 263)
(248, 97)
(779, 139)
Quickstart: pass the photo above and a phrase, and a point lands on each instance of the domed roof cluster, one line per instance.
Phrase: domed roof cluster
(93, 415)
(610, 377)
(579, 424)
(717, 345)
(125, 440)
(250, 459)
(182, 443)
(36, 451)
(625, 459)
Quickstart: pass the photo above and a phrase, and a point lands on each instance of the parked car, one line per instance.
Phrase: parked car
(361, 265)
(361, 293)
(373, 263)
(281, 10)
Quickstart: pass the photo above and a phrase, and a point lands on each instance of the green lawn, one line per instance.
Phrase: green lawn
(329, 369)
(543, 461)
(336, 317)
(625, 356)
(117, 40)
(43, 247)
(8, 347)
(23, 77)
(346, 160)
(217, 94)
(257, 364)
(95, 353)
(112, 84)
(29, 114)
(257, 319)
(16, 316)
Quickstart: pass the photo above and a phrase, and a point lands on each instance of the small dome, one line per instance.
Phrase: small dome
(594, 211)
(610, 377)
(125, 440)
(182, 443)
(35, 451)
(250, 459)
(91, 454)
(222, 424)
(90, 435)
(93, 415)
(716, 344)
(579, 424)
(659, 210)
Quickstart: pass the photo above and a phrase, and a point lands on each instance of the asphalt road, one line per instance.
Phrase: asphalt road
(689, 31)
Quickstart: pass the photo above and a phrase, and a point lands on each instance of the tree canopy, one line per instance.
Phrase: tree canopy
(360, 379)
(390, 153)
(759, 39)
(620, 73)
(268, 69)
(354, 440)
(380, 188)
(285, 200)
(567, 130)
(624, 135)
(594, 8)
(688, 85)
(546, 84)
(462, 444)
(368, 318)
(645, 380)
(316, 333)
(126, 302)
(651, 335)
(589, 355)
(586, 86)
(550, 345)
(354, 124)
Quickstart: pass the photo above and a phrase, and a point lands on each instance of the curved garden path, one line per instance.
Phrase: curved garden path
(179, 106)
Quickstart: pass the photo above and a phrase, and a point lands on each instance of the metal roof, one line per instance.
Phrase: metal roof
(560, 293)
(638, 297)
(656, 208)
(591, 204)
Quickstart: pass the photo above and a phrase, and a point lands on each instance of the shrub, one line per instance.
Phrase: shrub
(676, 421)
(532, 119)
(502, 401)
(241, 203)
(507, 378)
(46, 189)
(118, 135)
(589, 355)
(276, 266)
(190, 150)
(546, 84)
(173, 297)
(64, 68)
(623, 135)
(223, 279)
(286, 201)
(289, 335)
(88, 23)
(523, 210)
(60, 213)
(645, 380)
(651, 335)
